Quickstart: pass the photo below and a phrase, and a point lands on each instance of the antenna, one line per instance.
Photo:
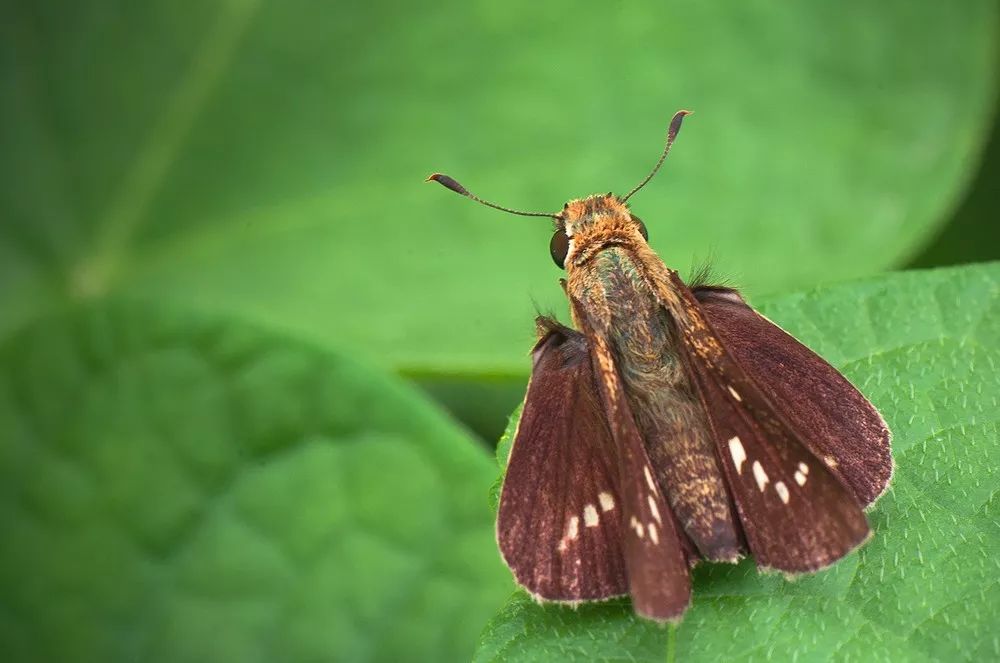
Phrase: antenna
(675, 127)
(450, 183)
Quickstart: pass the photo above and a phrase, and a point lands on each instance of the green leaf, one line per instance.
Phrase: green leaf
(925, 347)
(970, 234)
(229, 154)
(175, 489)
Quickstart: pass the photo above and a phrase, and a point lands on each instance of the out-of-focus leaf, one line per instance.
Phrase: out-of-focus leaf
(925, 347)
(266, 158)
(173, 489)
(972, 234)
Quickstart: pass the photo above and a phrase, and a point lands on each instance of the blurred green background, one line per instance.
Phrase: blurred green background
(221, 275)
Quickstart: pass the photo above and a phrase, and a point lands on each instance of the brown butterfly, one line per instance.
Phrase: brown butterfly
(677, 425)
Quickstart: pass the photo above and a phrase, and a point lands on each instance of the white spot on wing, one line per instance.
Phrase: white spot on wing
(830, 461)
(735, 394)
(800, 478)
(738, 453)
(607, 501)
(649, 478)
(652, 533)
(637, 526)
(803, 468)
(782, 490)
(652, 507)
(590, 518)
(760, 475)
(572, 531)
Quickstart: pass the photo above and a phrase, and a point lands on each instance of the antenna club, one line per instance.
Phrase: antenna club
(448, 183)
(675, 123)
(675, 126)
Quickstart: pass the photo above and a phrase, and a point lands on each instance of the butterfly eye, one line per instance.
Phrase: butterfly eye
(559, 247)
(642, 228)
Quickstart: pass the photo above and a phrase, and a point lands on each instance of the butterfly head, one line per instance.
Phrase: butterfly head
(593, 222)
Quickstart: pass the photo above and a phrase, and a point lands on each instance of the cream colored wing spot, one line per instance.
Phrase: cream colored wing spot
(572, 531)
(782, 490)
(738, 453)
(760, 475)
(656, 511)
(649, 478)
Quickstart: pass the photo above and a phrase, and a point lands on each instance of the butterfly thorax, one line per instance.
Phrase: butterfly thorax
(607, 280)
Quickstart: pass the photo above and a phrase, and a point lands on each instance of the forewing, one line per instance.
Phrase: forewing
(558, 522)
(796, 514)
(834, 420)
(657, 555)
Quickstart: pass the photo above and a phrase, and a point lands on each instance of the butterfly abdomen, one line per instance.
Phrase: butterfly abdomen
(668, 413)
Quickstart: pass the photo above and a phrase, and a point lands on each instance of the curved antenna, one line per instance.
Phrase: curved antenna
(675, 127)
(450, 183)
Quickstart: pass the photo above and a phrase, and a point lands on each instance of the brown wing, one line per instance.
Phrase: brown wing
(833, 418)
(657, 554)
(796, 514)
(558, 522)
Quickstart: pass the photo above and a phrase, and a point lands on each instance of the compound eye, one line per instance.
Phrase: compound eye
(559, 247)
(642, 228)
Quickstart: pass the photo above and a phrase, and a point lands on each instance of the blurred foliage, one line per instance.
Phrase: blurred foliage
(924, 346)
(973, 232)
(173, 489)
(179, 176)
(266, 159)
